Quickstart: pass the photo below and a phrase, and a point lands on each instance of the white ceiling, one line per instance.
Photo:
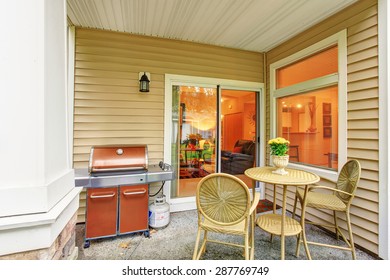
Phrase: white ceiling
(255, 25)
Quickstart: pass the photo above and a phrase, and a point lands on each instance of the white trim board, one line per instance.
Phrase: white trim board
(384, 135)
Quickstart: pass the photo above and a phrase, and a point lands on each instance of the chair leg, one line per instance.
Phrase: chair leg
(204, 242)
(252, 237)
(304, 230)
(196, 255)
(352, 244)
(246, 249)
(297, 249)
(336, 225)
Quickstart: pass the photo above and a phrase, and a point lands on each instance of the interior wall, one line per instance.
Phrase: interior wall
(293, 125)
(238, 109)
(361, 22)
(108, 107)
(249, 121)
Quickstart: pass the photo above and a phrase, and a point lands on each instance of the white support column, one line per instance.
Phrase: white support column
(37, 193)
(70, 90)
(384, 135)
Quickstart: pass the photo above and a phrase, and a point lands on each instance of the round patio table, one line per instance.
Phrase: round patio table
(280, 224)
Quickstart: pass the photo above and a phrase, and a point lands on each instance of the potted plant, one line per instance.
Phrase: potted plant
(192, 140)
(279, 149)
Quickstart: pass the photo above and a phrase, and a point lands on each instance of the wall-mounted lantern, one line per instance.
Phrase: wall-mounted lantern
(144, 80)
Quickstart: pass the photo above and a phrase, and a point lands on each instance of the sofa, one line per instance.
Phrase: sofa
(240, 159)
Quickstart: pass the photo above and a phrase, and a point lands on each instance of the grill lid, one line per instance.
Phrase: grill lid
(118, 159)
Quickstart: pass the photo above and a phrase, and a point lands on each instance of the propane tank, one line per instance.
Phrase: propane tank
(159, 213)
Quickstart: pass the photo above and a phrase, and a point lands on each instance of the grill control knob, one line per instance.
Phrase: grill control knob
(119, 152)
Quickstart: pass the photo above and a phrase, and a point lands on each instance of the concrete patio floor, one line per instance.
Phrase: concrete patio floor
(177, 240)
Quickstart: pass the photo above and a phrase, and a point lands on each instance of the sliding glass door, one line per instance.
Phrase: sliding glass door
(205, 142)
(194, 111)
(211, 125)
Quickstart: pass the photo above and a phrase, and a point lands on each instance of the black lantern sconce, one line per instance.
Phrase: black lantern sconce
(144, 81)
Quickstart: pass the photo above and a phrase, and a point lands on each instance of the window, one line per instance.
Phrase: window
(308, 92)
(309, 121)
(315, 66)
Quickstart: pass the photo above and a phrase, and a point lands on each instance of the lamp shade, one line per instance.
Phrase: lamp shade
(144, 83)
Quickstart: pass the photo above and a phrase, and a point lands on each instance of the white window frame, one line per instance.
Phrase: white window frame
(339, 79)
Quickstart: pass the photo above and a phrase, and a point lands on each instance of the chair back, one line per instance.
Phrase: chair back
(348, 179)
(223, 199)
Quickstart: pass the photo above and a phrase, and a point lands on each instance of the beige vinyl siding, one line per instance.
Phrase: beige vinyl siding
(360, 20)
(108, 107)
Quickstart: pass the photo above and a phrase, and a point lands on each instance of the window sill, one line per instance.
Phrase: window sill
(323, 173)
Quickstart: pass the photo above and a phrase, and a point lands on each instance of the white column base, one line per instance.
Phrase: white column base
(36, 231)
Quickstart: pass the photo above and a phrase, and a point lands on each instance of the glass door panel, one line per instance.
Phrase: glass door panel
(238, 132)
(194, 137)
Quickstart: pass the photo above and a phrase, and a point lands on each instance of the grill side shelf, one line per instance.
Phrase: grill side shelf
(154, 174)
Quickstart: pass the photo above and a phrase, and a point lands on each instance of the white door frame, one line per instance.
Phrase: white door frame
(188, 203)
(384, 104)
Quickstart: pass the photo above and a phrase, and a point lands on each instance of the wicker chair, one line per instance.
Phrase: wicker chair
(338, 201)
(225, 206)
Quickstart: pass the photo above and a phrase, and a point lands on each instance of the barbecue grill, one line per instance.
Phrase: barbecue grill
(117, 182)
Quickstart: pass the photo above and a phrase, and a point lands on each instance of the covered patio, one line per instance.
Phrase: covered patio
(216, 47)
(78, 87)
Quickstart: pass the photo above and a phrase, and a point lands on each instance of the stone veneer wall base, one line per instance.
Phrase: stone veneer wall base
(63, 248)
